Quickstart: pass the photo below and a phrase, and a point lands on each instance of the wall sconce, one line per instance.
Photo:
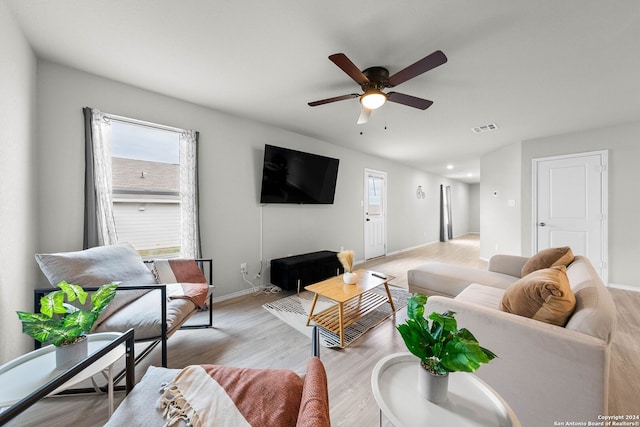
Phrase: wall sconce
(420, 193)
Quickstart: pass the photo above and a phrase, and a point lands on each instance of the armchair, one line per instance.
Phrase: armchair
(262, 396)
(154, 310)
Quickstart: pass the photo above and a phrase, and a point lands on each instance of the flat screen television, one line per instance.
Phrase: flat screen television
(290, 176)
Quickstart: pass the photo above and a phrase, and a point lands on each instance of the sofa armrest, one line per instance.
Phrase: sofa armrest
(544, 372)
(507, 264)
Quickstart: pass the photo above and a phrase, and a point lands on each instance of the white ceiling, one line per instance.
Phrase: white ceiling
(535, 68)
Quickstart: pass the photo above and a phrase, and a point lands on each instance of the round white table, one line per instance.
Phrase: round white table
(29, 372)
(470, 402)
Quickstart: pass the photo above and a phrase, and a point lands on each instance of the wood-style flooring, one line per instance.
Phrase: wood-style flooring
(245, 335)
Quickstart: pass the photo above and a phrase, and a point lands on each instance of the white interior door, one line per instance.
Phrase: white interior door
(570, 205)
(375, 226)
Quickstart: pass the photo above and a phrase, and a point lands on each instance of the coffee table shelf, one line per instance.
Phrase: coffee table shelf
(353, 310)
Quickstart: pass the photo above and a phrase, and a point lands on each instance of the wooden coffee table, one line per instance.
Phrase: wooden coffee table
(353, 301)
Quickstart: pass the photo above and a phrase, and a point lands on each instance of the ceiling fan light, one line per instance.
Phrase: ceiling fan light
(373, 99)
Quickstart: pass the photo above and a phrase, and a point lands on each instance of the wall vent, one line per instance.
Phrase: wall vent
(485, 128)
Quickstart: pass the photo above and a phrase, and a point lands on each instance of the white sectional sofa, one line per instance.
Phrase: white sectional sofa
(546, 373)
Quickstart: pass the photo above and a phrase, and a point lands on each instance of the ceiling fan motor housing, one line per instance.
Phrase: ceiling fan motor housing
(378, 77)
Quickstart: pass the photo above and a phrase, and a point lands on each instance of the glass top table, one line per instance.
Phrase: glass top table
(32, 376)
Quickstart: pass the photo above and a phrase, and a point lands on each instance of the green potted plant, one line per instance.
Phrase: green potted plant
(440, 346)
(64, 325)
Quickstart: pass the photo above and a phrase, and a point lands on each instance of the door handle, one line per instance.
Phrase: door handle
(542, 224)
(368, 219)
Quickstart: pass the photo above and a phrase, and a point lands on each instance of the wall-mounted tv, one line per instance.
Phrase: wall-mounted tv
(290, 176)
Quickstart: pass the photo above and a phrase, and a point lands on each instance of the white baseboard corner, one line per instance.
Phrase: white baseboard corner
(236, 294)
(624, 287)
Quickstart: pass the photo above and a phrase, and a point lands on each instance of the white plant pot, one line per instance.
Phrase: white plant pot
(432, 387)
(350, 278)
(69, 355)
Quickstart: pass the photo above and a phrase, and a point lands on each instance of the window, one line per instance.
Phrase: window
(141, 186)
(145, 167)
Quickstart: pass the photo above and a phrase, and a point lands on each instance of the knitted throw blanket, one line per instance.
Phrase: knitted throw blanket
(211, 395)
(198, 400)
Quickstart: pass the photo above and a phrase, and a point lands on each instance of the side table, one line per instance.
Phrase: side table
(470, 402)
(33, 376)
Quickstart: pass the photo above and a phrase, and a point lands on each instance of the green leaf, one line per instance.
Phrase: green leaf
(463, 355)
(415, 306)
(73, 292)
(446, 321)
(44, 331)
(102, 297)
(79, 321)
(52, 303)
(417, 341)
(32, 317)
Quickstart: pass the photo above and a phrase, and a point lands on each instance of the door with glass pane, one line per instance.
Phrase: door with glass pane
(375, 227)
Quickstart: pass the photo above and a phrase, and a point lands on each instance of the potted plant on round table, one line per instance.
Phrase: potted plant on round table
(440, 346)
(65, 325)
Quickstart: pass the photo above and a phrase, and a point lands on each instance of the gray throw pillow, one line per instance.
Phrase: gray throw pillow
(96, 266)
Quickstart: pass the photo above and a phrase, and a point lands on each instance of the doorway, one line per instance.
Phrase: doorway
(570, 205)
(375, 207)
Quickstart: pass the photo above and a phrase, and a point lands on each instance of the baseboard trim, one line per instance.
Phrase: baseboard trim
(399, 251)
(623, 287)
(237, 294)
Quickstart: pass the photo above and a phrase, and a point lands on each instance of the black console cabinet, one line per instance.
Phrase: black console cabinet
(295, 272)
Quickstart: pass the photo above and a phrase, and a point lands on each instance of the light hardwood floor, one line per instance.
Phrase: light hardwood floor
(246, 335)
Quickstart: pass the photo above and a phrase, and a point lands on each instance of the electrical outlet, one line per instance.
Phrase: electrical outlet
(243, 267)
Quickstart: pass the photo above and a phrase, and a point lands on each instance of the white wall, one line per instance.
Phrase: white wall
(623, 143)
(500, 183)
(18, 171)
(231, 152)
(508, 170)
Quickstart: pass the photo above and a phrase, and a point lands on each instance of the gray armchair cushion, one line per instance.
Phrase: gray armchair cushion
(144, 315)
(96, 266)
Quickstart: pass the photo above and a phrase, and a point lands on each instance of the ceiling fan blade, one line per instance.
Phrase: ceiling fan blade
(409, 100)
(364, 115)
(345, 64)
(334, 99)
(422, 66)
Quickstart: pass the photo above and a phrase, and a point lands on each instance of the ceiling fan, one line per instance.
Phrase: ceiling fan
(374, 79)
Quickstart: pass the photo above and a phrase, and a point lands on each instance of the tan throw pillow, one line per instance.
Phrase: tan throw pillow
(543, 295)
(548, 258)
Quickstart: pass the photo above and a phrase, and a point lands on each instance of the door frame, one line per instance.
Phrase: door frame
(604, 201)
(368, 171)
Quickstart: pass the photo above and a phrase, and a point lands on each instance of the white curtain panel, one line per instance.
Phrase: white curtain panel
(101, 129)
(190, 241)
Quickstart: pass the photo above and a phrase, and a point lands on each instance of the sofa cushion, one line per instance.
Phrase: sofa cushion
(546, 258)
(435, 278)
(543, 295)
(486, 296)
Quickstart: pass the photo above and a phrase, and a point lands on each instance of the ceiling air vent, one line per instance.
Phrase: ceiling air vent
(485, 128)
